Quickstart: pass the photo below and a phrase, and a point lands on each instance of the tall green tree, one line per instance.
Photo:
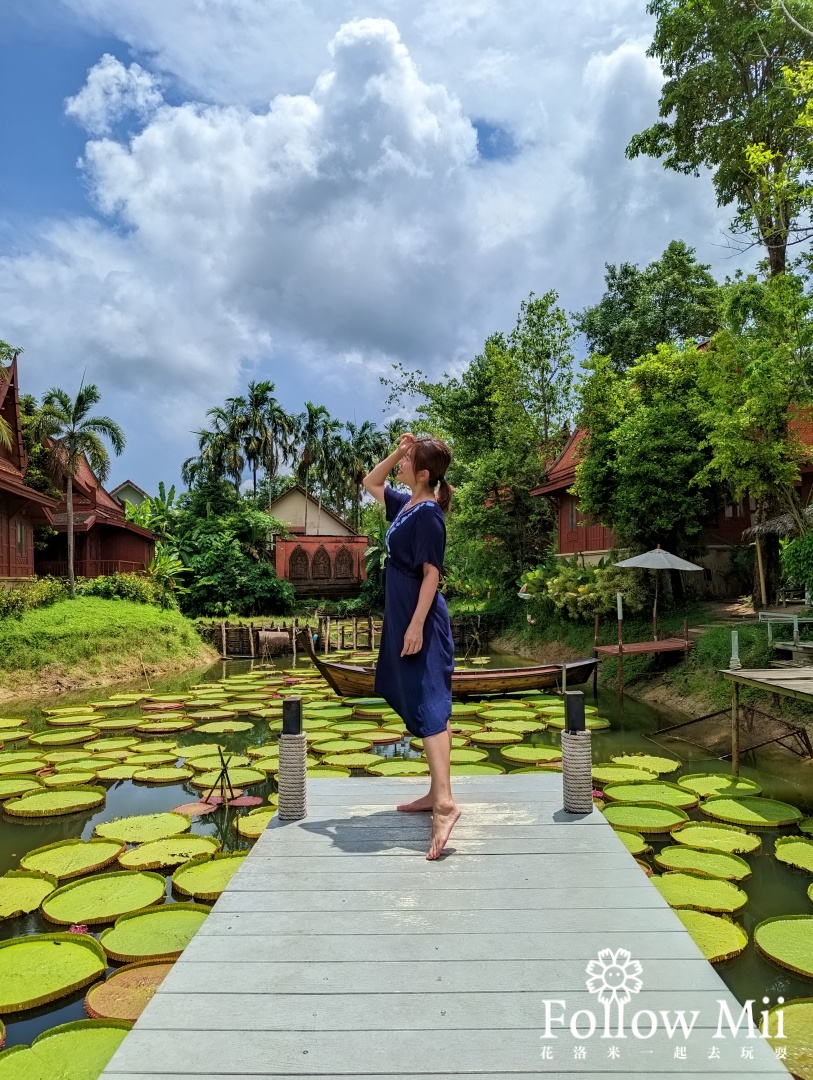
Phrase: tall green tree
(311, 434)
(364, 446)
(674, 299)
(725, 90)
(71, 433)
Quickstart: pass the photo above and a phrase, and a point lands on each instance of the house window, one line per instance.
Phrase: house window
(22, 540)
(572, 515)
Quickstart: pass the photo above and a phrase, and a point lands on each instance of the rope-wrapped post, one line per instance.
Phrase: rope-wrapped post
(293, 770)
(577, 757)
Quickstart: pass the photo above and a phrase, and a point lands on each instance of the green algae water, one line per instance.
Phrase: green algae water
(772, 889)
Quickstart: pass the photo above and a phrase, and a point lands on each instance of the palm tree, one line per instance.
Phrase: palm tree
(310, 437)
(72, 434)
(364, 447)
(277, 446)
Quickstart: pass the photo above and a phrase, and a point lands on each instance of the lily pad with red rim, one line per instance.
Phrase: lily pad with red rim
(128, 991)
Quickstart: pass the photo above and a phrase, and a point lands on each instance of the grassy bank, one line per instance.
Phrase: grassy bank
(93, 642)
(692, 686)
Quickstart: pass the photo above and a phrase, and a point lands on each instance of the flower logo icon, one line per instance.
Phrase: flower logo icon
(614, 978)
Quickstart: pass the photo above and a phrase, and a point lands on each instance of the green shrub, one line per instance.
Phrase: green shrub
(225, 581)
(34, 593)
(135, 587)
(581, 591)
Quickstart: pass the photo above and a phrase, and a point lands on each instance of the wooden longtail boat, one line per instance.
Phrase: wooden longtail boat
(351, 680)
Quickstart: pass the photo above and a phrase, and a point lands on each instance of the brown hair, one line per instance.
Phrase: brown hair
(434, 456)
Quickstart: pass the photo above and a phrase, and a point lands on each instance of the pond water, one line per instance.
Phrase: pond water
(773, 888)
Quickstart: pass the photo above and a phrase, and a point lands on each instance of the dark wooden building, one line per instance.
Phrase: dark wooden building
(21, 507)
(106, 543)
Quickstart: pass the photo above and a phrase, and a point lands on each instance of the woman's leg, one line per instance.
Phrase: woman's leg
(445, 810)
(426, 802)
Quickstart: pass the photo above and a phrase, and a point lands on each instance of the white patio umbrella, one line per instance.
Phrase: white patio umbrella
(656, 560)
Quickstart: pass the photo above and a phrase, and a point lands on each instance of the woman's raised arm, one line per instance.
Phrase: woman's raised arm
(375, 480)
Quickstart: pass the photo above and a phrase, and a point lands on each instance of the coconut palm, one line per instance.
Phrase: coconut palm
(364, 447)
(311, 427)
(70, 435)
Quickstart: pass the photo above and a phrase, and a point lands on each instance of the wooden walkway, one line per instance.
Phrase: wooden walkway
(338, 951)
(638, 648)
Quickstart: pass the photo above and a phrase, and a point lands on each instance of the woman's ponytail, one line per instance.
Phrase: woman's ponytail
(445, 492)
(434, 456)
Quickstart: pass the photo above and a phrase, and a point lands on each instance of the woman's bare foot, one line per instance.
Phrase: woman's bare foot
(426, 802)
(443, 819)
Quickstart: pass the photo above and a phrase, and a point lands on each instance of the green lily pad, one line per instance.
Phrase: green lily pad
(207, 762)
(103, 897)
(62, 738)
(42, 968)
(225, 727)
(196, 750)
(145, 760)
(120, 742)
(788, 940)
(72, 858)
(330, 713)
(705, 784)
(610, 773)
(21, 768)
(650, 762)
(165, 727)
(127, 992)
(806, 825)
(238, 777)
(756, 812)
(658, 791)
(340, 746)
(714, 836)
(252, 825)
(494, 738)
(13, 722)
(464, 727)
(327, 770)
(116, 723)
(796, 851)
(491, 714)
(159, 933)
(22, 891)
(266, 765)
(462, 709)
(797, 1023)
(68, 779)
(74, 720)
(681, 889)
(207, 876)
(477, 768)
(380, 737)
(644, 817)
(65, 710)
(12, 787)
(14, 757)
(633, 842)
(144, 827)
(53, 803)
(351, 761)
(717, 938)
(398, 767)
(76, 1051)
(518, 727)
(162, 774)
(531, 755)
(466, 755)
(159, 854)
(117, 772)
(717, 864)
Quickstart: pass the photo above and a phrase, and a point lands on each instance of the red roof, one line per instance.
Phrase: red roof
(562, 473)
(13, 466)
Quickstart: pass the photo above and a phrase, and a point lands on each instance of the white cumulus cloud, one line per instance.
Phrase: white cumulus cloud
(110, 93)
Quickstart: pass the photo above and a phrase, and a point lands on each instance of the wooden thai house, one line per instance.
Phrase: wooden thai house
(105, 542)
(21, 507)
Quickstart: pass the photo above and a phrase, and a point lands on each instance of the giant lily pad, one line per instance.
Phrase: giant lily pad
(610, 773)
(493, 714)
(717, 938)
(195, 750)
(207, 762)
(76, 1051)
(340, 746)
(464, 727)
(788, 940)
(22, 891)
(165, 727)
(147, 759)
(756, 812)
(705, 784)
(495, 738)
(351, 761)
(238, 778)
(531, 755)
(42, 968)
(328, 770)
(127, 992)
(164, 853)
(68, 779)
(684, 890)
(226, 727)
(255, 822)
(475, 768)
(20, 768)
(116, 723)
(593, 723)
(13, 722)
(797, 1045)
(74, 720)
(380, 737)
(53, 803)
(115, 742)
(11, 787)
(144, 827)
(633, 842)
(66, 710)
(72, 858)
(716, 864)
(714, 836)
(650, 762)
(62, 738)
(103, 897)
(167, 774)
(117, 772)
(644, 817)
(796, 851)
(207, 876)
(805, 825)
(518, 727)
(398, 767)
(651, 791)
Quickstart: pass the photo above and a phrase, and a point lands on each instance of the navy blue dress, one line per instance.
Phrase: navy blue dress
(417, 687)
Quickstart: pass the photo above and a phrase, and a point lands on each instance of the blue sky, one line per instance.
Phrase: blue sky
(207, 191)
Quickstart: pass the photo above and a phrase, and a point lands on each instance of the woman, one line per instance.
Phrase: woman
(416, 655)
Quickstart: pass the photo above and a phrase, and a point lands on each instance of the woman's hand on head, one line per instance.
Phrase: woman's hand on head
(406, 443)
(413, 640)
